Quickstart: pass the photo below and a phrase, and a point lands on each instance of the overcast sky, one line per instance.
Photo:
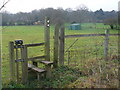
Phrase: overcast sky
(15, 6)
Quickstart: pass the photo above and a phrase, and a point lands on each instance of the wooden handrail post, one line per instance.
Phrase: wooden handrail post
(12, 60)
(106, 42)
(47, 39)
(56, 44)
(61, 47)
(24, 64)
(17, 66)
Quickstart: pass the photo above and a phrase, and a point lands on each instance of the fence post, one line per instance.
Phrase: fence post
(61, 47)
(47, 39)
(106, 42)
(68, 57)
(17, 66)
(24, 64)
(12, 60)
(56, 43)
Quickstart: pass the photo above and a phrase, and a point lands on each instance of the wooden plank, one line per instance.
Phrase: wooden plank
(12, 58)
(33, 45)
(47, 39)
(19, 60)
(46, 62)
(31, 59)
(61, 47)
(106, 42)
(36, 69)
(56, 44)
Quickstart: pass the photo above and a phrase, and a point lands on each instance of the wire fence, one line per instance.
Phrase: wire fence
(87, 54)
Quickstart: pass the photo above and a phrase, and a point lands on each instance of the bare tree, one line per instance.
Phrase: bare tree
(4, 5)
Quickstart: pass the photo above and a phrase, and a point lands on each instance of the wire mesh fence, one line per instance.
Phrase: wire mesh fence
(90, 47)
(87, 54)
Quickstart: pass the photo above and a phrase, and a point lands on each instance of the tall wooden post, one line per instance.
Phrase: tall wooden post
(56, 44)
(47, 39)
(24, 64)
(12, 60)
(17, 66)
(61, 47)
(106, 42)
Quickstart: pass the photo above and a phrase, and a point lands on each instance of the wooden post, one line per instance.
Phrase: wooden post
(56, 43)
(48, 73)
(68, 57)
(61, 47)
(24, 65)
(106, 42)
(17, 66)
(12, 60)
(47, 39)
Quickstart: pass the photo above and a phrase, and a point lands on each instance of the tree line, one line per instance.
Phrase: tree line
(80, 15)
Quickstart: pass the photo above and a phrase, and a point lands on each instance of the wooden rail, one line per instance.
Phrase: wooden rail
(30, 59)
(106, 41)
(36, 44)
(38, 57)
(87, 35)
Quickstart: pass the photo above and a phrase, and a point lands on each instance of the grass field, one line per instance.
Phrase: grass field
(35, 34)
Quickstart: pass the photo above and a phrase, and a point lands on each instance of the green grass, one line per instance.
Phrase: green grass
(35, 34)
(61, 78)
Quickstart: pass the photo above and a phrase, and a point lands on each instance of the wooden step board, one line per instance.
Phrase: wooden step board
(46, 62)
(30, 66)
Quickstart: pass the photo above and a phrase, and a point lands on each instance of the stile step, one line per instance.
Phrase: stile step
(39, 70)
(46, 62)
